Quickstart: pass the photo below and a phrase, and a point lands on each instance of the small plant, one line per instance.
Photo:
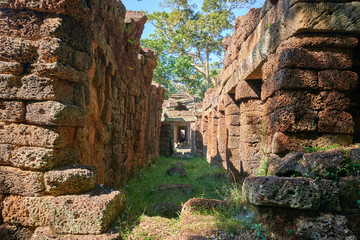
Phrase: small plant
(263, 169)
(311, 149)
(260, 232)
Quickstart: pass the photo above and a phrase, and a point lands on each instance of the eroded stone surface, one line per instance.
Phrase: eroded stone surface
(18, 182)
(86, 214)
(325, 226)
(71, 180)
(55, 113)
(9, 232)
(297, 193)
(30, 135)
(45, 233)
(12, 111)
(40, 159)
(27, 211)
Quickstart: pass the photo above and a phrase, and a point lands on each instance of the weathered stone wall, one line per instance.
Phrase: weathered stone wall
(290, 80)
(75, 90)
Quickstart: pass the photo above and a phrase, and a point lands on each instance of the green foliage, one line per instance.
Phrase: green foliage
(185, 38)
(311, 149)
(263, 169)
(141, 195)
(349, 168)
(207, 182)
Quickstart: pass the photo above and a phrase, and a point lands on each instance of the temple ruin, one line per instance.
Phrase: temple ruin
(290, 83)
(180, 125)
(77, 109)
(79, 115)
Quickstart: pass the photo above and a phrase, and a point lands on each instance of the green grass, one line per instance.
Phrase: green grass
(140, 191)
(141, 195)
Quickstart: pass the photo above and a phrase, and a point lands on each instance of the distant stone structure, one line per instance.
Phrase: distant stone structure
(290, 82)
(77, 108)
(180, 125)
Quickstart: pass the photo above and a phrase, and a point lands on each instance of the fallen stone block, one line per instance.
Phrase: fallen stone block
(202, 205)
(55, 113)
(70, 180)
(86, 214)
(291, 165)
(36, 136)
(45, 233)
(296, 193)
(325, 226)
(18, 182)
(349, 188)
(324, 162)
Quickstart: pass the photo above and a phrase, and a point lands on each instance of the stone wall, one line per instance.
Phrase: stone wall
(77, 108)
(289, 84)
(289, 81)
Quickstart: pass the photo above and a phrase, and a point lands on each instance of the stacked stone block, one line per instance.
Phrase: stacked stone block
(321, 207)
(293, 79)
(306, 89)
(77, 108)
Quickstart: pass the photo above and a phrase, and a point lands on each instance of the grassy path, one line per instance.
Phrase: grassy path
(155, 198)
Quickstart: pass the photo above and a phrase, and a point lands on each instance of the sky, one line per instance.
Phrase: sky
(153, 5)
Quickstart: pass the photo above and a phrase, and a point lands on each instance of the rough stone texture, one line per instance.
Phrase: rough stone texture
(17, 182)
(202, 205)
(296, 193)
(37, 158)
(70, 214)
(349, 188)
(27, 211)
(74, 180)
(326, 226)
(35, 136)
(291, 68)
(12, 111)
(55, 113)
(324, 162)
(68, 100)
(86, 214)
(9, 232)
(45, 233)
(176, 171)
(289, 83)
(2, 197)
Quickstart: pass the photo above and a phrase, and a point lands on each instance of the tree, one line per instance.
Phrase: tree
(186, 37)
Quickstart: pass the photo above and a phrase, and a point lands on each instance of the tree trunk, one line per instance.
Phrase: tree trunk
(207, 72)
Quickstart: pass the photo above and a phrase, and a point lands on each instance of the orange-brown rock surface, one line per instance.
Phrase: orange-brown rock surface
(77, 109)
